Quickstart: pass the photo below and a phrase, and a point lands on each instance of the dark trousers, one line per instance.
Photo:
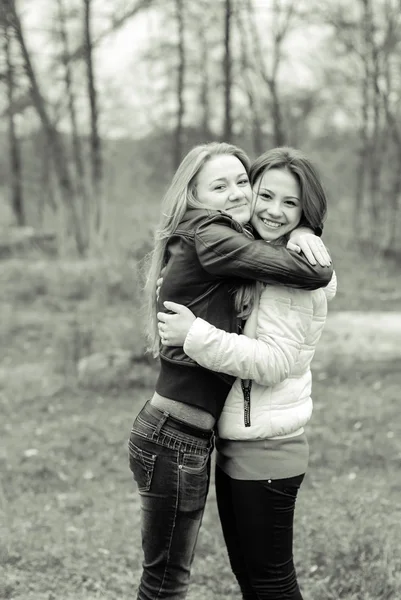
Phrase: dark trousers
(170, 461)
(257, 521)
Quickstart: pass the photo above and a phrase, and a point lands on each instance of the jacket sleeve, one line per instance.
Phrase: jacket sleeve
(268, 359)
(227, 252)
(331, 289)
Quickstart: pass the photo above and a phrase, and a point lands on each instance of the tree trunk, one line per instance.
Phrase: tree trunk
(375, 155)
(76, 141)
(393, 232)
(48, 195)
(25, 100)
(361, 223)
(53, 139)
(204, 88)
(271, 78)
(395, 133)
(278, 135)
(17, 202)
(246, 62)
(95, 142)
(282, 17)
(227, 73)
(179, 129)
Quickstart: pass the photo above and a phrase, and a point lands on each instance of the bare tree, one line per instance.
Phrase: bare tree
(53, 138)
(187, 65)
(202, 26)
(178, 141)
(361, 177)
(247, 69)
(77, 152)
(25, 100)
(17, 202)
(228, 124)
(387, 92)
(282, 16)
(372, 111)
(95, 141)
(68, 78)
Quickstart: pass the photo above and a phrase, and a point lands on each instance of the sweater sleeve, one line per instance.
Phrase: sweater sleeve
(270, 358)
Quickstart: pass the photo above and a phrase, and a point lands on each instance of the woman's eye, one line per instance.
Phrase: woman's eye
(218, 188)
(265, 195)
(243, 182)
(291, 203)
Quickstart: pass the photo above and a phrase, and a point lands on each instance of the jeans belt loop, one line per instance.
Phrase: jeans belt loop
(161, 422)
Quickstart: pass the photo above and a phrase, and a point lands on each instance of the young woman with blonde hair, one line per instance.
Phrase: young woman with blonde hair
(211, 260)
(262, 446)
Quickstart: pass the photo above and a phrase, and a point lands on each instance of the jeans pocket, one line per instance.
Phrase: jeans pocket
(194, 482)
(194, 463)
(142, 464)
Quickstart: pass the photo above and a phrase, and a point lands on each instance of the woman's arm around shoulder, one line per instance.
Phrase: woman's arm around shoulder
(283, 321)
(225, 250)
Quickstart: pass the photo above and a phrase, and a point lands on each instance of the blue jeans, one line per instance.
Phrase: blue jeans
(170, 462)
(257, 521)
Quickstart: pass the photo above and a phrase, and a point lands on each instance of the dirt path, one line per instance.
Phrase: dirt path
(363, 335)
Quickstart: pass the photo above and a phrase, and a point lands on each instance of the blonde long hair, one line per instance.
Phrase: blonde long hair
(180, 196)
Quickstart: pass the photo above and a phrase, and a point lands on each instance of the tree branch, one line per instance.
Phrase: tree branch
(25, 101)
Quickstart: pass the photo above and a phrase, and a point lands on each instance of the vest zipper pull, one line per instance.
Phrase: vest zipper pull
(246, 390)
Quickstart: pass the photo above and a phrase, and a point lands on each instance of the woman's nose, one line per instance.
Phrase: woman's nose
(274, 209)
(235, 193)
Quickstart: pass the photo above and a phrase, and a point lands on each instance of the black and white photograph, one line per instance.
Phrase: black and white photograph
(200, 299)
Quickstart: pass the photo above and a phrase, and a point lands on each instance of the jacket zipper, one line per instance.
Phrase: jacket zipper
(246, 385)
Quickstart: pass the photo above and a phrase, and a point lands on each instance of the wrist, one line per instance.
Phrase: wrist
(301, 230)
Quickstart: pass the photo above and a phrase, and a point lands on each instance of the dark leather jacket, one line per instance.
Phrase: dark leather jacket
(210, 255)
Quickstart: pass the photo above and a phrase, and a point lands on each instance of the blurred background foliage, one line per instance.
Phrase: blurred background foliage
(99, 103)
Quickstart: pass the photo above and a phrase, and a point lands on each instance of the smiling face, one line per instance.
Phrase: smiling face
(278, 207)
(223, 184)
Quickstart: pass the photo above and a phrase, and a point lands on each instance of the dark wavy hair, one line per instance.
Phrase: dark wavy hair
(313, 197)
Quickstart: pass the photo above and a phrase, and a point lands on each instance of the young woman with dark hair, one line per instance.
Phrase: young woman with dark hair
(262, 446)
(212, 262)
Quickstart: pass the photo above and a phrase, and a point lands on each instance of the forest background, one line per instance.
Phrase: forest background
(99, 101)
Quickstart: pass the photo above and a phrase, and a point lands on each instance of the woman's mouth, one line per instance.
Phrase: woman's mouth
(237, 206)
(271, 224)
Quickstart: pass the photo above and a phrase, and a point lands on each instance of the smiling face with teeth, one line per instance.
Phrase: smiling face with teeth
(277, 204)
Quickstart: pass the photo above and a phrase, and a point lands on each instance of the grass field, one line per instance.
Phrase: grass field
(69, 512)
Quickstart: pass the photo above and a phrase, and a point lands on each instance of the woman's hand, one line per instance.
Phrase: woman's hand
(303, 240)
(159, 282)
(173, 328)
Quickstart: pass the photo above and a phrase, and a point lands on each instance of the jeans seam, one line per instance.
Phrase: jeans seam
(167, 440)
(172, 530)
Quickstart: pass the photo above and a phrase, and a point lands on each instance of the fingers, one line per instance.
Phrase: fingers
(321, 254)
(174, 306)
(294, 247)
(162, 332)
(314, 250)
(309, 254)
(325, 256)
(159, 283)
